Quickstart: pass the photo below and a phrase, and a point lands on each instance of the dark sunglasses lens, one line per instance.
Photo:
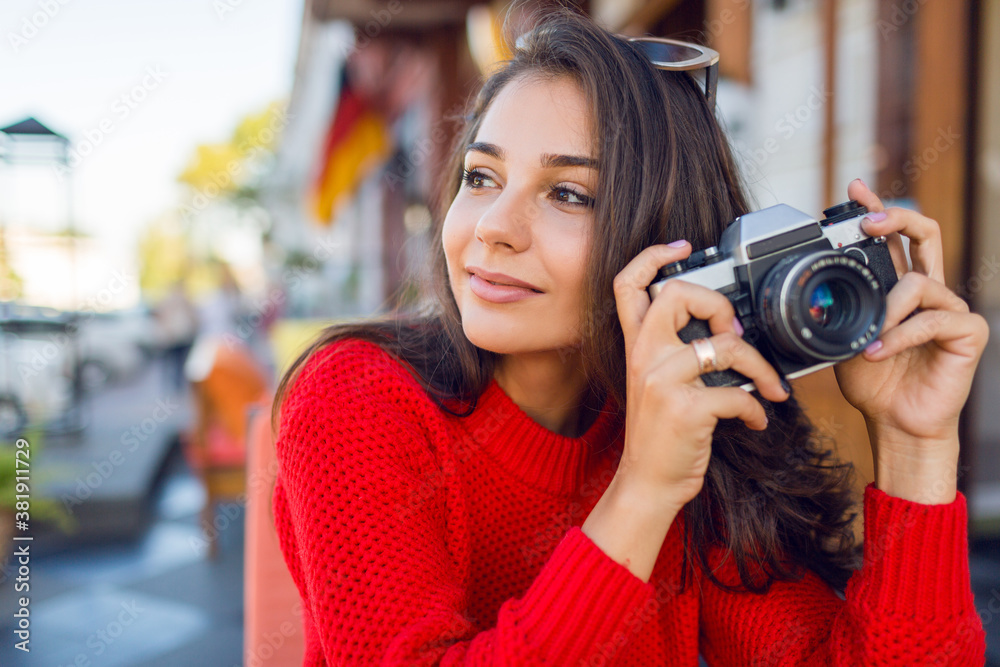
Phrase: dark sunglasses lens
(660, 52)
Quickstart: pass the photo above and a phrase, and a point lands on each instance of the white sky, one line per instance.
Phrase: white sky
(73, 69)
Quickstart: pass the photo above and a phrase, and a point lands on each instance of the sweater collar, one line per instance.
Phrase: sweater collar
(533, 453)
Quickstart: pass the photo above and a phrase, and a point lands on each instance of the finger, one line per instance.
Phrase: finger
(859, 191)
(915, 290)
(734, 403)
(732, 353)
(898, 254)
(676, 304)
(926, 251)
(631, 298)
(959, 333)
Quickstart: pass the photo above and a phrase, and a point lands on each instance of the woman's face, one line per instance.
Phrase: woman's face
(517, 235)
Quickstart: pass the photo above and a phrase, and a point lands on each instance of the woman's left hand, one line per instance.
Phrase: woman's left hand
(911, 383)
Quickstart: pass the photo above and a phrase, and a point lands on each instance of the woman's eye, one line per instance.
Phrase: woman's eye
(572, 197)
(476, 179)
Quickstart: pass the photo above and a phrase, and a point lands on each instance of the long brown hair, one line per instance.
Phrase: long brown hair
(776, 499)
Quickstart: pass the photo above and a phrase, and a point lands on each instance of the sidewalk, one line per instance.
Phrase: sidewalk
(156, 601)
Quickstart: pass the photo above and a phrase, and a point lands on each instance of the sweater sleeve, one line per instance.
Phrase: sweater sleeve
(910, 603)
(362, 513)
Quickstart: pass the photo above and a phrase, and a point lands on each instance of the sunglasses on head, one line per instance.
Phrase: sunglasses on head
(674, 55)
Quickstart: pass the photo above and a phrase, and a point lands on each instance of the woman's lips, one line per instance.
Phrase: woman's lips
(496, 293)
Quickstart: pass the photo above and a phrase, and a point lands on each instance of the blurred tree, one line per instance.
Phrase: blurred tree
(164, 255)
(11, 284)
(222, 182)
(231, 169)
(213, 164)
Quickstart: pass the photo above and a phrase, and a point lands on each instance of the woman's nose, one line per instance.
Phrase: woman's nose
(507, 221)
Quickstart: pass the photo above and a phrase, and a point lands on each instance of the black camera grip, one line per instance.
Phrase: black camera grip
(727, 378)
(880, 263)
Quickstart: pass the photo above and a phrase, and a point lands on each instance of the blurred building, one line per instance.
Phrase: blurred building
(351, 260)
(901, 93)
(69, 272)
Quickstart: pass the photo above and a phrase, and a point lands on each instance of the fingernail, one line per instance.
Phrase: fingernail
(862, 182)
(875, 217)
(874, 347)
(787, 387)
(678, 244)
(737, 326)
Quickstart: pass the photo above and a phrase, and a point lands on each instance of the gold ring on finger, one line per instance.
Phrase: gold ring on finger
(704, 350)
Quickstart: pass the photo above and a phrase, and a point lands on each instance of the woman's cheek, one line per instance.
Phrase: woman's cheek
(452, 244)
(573, 261)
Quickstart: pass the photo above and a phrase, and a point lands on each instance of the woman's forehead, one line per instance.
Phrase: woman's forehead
(539, 115)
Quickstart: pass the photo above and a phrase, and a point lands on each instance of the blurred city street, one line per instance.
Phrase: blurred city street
(133, 585)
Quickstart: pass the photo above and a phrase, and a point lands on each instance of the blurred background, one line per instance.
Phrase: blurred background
(190, 190)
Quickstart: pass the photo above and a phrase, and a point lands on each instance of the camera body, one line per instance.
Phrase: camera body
(809, 293)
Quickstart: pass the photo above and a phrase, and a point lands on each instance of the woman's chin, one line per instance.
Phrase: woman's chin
(491, 337)
(513, 341)
(491, 341)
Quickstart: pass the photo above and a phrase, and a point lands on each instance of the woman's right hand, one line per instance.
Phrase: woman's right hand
(670, 414)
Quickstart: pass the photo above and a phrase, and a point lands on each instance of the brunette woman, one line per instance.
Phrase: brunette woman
(533, 472)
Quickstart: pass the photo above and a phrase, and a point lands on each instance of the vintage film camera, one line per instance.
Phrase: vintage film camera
(808, 293)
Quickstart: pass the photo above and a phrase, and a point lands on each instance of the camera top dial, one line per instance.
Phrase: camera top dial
(702, 257)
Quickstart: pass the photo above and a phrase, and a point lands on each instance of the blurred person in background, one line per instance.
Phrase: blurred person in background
(535, 473)
(177, 326)
(219, 314)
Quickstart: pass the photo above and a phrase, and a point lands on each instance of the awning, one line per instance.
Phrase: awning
(394, 15)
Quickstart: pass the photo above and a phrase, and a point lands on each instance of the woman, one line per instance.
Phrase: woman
(533, 473)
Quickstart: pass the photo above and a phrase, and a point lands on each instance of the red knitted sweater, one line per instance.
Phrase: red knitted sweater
(419, 538)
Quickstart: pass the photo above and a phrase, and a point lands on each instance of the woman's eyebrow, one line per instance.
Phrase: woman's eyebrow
(549, 160)
(492, 150)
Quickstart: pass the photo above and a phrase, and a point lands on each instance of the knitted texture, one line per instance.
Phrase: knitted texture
(420, 538)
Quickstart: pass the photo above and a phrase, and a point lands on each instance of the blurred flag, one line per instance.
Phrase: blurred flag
(356, 143)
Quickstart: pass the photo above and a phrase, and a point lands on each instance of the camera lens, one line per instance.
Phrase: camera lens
(832, 303)
(821, 306)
